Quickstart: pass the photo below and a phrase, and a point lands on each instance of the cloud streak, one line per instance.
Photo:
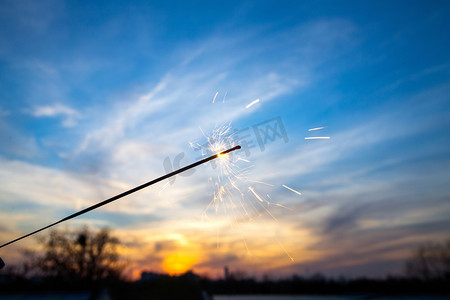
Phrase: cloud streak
(69, 115)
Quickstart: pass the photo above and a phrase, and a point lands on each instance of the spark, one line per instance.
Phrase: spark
(262, 182)
(215, 96)
(163, 188)
(277, 204)
(224, 96)
(318, 128)
(317, 138)
(261, 200)
(285, 251)
(297, 192)
(252, 103)
(256, 195)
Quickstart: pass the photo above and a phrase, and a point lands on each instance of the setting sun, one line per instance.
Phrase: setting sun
(178, 264)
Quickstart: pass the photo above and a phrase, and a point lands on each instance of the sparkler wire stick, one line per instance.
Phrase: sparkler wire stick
(126, 193)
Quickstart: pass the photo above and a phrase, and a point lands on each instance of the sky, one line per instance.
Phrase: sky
(97, 97)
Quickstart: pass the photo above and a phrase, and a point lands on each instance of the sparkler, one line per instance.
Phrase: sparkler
(126, 193)
(233, 191)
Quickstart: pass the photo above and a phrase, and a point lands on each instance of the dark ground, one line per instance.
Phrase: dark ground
(191, 286)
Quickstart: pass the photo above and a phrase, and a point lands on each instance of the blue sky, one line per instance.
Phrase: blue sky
(94, 97)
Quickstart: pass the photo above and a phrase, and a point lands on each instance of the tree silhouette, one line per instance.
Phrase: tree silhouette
(81, 255)
(430, 261)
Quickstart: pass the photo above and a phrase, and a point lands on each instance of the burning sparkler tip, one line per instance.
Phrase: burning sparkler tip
(229, 150)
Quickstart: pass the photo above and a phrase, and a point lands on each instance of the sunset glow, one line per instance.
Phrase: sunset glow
(177, 264)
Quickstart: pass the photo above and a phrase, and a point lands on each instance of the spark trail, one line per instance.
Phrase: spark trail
(215, 96)
(297, 192)
(317, 137)
(252, 103)
(317, 128)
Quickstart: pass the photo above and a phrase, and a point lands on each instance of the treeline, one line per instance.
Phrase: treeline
(88, 260)
(191, 286)
(321, 285)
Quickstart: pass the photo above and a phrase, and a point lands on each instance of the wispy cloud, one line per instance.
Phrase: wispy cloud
(69, 115)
